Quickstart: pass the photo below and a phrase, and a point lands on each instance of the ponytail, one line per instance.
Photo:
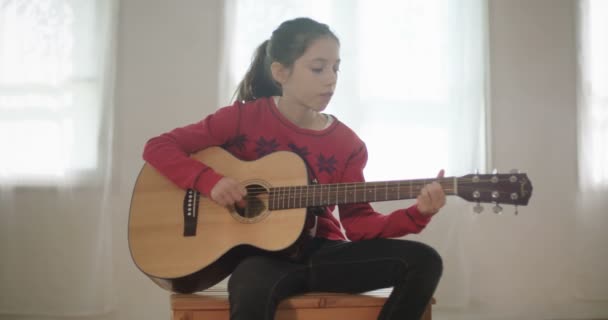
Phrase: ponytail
(258, 80)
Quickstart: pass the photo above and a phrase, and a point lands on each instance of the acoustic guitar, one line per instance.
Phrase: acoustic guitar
(185, 242)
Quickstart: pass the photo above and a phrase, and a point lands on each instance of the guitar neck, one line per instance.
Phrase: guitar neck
(345, 193)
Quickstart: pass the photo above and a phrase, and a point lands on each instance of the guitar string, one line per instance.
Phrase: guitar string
(282, 198)
(392, 190)
(357, 188)
(390, 184)
(327, 196)
(278, 196)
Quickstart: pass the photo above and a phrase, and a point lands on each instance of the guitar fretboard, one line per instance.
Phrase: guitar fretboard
(344, 193)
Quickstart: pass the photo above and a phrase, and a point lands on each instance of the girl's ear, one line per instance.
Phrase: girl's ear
(279, 72)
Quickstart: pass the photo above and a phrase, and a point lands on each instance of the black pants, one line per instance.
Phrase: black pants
(259, 283)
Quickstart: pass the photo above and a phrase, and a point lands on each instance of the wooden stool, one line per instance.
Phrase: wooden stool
(213, 305)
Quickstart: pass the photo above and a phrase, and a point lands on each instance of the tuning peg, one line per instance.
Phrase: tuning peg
(476, 171)
(497, 209)
(516, 210)
(478, 208)
(494, 171)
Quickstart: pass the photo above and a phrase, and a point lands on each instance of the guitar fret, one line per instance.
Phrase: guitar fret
(411, 193)
(337, 192)
(297, 197)
(345, 193)
(386, 190)
(375, 191)
(398, 189)
(321, 194)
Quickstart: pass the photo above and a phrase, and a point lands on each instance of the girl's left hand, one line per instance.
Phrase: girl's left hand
(431, 198)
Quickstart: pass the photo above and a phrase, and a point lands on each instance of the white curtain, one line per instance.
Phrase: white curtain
(56, 104)
(592, 219)
(411, 83)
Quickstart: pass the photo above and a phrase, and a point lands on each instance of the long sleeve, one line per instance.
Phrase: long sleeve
(361, 221)
(170, 152)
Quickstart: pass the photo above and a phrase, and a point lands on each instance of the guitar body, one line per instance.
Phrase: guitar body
(184, 249)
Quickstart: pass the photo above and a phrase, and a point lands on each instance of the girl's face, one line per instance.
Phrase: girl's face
(311, 80)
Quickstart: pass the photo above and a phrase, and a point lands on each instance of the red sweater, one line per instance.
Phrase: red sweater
(256, 128)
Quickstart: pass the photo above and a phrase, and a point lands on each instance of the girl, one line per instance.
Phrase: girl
(279, 106)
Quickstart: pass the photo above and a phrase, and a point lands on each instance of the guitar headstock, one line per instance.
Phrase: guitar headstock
(505, 188)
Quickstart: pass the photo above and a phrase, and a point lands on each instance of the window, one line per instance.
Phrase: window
(412, 79)
(50, 89)
(593, 108)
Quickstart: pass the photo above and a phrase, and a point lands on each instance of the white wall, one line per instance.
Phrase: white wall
(167, 76)
(533, 118)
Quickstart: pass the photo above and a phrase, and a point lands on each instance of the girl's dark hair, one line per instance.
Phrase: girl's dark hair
(288, 42)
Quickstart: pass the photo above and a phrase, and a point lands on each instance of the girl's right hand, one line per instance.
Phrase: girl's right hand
(227, 192)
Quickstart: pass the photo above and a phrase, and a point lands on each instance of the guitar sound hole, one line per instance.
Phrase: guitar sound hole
(255, 204)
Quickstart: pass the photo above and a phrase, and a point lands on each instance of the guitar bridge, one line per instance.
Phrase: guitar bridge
(190, 211)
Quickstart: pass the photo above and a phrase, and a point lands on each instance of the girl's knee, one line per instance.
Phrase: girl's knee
(430, 260)
(247, 276)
